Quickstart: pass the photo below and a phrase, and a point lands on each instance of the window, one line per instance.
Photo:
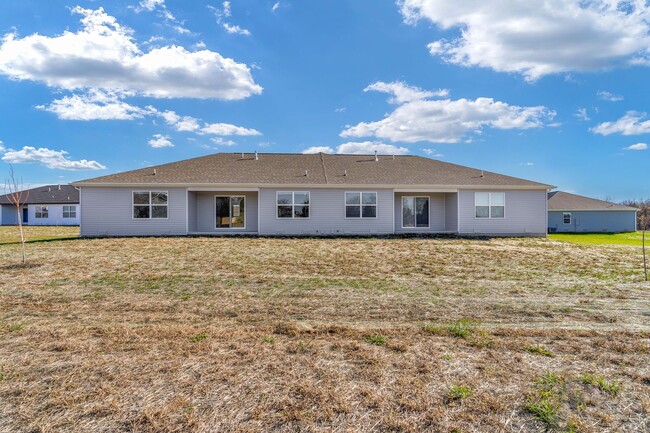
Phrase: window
(566, 217)
(293, 204)
(149, 204)
(490, 204)
(231, 212)
(361, 205)
(415, 212)
(41, 212)
(69, 211)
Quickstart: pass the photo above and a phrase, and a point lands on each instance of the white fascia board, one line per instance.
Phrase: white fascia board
(257, 187)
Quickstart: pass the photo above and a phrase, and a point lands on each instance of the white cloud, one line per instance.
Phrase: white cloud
(104, 55)
(581, 114)
(638, 146)
(340, 110)
(360, 148)
(160, 140)
(631, 123)
(537, 38)
(55, 159)
(226, 12)
(402, 92)
(219, 141)
(318, 149)
(446, 120)
(608, 96)
(527, 164)
(184, 123)
(433, 153)
(369, 147)
(163, 12)
(93, 105)
(227, 129)
(276, 6)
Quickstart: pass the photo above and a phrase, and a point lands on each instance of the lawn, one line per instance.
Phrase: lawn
(633, 238)
(315, 335)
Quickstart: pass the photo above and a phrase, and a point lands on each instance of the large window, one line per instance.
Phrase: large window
(415, 212)
(566, 217)
(69, 211)
(361, 205)
(490, 204)
(149, 204)
(293, 204)
(41, 212)
(231, 212)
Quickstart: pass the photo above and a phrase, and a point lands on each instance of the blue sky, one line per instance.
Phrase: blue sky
(551, 91)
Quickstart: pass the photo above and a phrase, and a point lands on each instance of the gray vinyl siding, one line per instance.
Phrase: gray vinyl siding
(451, 212)
(593, 221)
(8, 215)
(109, 212)
(54, 215)
(436, 212)
(525, 214)
(206, 212)
(327, 214)
(192, 217)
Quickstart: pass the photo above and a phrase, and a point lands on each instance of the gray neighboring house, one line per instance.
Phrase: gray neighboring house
(570, 213)
(313, 194)
(51, 205)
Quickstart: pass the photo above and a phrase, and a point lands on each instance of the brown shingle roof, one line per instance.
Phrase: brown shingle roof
(559, 200)
(321, 169)
(48, 194)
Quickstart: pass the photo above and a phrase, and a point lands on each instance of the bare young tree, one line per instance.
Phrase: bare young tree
(17, 197)
(644, 223)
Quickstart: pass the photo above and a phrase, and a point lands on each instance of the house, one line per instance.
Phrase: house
(314, 194)
(45, 205)
(576, 213)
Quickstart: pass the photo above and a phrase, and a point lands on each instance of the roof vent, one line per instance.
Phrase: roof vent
(345, 172)
(154, 171)
(393, 156)
(256, 158)
(242, 155)
(59, 187)
(482, 174)
(49, 189)
(376, 157)
(306, 173)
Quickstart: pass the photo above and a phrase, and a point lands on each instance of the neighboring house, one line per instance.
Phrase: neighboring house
(53, 205)
(575, 213)
(316, 194)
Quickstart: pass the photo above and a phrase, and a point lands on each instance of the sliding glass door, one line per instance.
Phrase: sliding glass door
(231, 212)
(415, 212)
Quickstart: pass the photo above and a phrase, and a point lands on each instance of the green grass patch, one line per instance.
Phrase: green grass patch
(268, 340)
(540, 350)
(459, 392)
(462, 328)
(632, 238)
(612, 387)
(376, 340)
(545, 403)
(199, 337)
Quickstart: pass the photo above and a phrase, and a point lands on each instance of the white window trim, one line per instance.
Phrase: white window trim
(71, 209)
(428, 226)
(360, 205)
(150, 204)
(490, 217)
(39, 210)
(564, 219)
(293, 201)
(229, 212)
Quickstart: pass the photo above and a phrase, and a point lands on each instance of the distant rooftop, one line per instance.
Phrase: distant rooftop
(311, 169)
(559, 200)
(48, 194)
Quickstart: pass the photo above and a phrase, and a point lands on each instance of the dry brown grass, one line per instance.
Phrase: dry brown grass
(224, 334)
